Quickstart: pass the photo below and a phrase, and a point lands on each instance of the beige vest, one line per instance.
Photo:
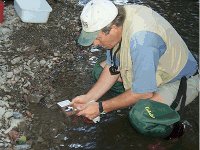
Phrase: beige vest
(142, 18)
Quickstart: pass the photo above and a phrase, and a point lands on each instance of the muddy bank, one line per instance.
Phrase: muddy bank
(32, 58)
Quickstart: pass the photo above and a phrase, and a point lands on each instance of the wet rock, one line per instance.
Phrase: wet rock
(29, 114)
(35, 64)
(3, 104)
(56, 54)
(16, 79)
(14, 135)
(50, 65)
(16, 60)
(13, 123)
(27, 67)
(42, 62)
(2, 60)
(6, 97)
(22, 147)
(31, 61)
(9, 113)
(9, 75)
(5, 88)
(56, 59)
(5, 30)
(7, 140)
(2, 111)
(17, 70)
(27, 84)
(25, 91)
(70, 57)
(17, 115)
(1, 144)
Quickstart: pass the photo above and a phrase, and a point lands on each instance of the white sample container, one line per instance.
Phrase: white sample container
(32, 11)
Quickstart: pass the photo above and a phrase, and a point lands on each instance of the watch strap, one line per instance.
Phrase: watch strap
(101, 111)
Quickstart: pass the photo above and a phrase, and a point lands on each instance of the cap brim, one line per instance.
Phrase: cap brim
(87, 38)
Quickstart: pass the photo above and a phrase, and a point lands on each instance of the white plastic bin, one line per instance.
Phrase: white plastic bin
(32, 11)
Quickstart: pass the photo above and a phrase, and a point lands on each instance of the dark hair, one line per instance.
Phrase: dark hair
(118, 21)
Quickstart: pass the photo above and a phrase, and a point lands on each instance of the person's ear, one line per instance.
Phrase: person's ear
(114, 27)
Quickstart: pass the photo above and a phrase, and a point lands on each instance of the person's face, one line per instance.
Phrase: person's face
(108, 41)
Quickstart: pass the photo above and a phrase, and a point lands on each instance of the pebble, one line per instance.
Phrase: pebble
(5, 30)
(9, 75)
(56, 54)
(17, 115)
(8, 114)
(2, 111)
(6, 97)
(7, 140)
(17, 70)
(22, 147)
(2, 60)
(27, 84)
(3, 103)
(42, 62)
(15, 60)
(25, 91)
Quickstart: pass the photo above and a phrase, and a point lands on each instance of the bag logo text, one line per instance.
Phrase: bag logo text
(149, 112)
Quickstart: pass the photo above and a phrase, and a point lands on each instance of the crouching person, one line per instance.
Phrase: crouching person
(146, 61)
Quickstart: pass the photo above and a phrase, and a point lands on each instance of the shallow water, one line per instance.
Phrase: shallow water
(52, 130)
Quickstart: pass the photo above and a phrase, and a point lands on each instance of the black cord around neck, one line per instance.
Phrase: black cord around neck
(113, 69)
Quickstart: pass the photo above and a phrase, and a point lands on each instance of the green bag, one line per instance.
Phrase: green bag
(152, 118)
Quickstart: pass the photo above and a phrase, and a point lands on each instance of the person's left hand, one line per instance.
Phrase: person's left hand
(91, 111)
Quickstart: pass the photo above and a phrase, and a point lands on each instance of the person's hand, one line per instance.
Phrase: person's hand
(80, 102)
(90, 111)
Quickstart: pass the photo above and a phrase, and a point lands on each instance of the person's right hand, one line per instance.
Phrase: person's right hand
(80, 102)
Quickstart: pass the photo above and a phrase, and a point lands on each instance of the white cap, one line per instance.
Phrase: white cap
(97, 14)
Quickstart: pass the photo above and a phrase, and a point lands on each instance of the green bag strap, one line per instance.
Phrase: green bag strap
(181, 94)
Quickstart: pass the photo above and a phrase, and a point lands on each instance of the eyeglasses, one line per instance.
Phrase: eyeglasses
(114, 68)
(98, 47)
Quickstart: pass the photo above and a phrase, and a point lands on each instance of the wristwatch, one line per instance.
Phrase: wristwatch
(101, 111)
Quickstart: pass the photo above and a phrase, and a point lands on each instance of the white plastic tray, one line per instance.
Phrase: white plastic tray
(33, 11)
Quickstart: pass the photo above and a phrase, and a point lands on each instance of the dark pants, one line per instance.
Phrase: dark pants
(118, 87)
